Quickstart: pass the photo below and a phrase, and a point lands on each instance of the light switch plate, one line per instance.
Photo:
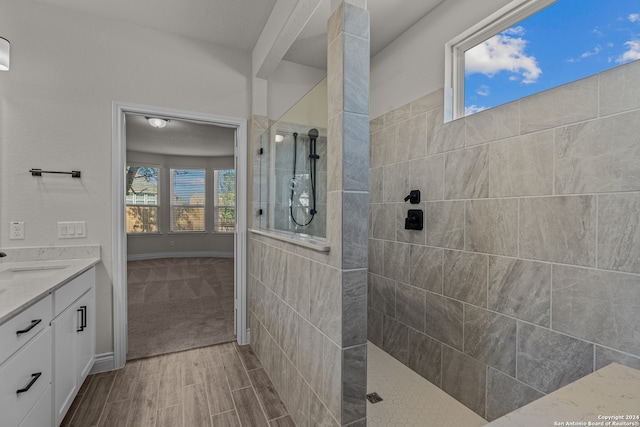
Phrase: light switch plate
(72, 229)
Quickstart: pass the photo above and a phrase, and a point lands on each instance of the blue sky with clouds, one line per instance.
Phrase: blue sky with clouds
(568, 40)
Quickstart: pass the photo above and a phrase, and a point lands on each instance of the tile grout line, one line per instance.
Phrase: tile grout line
(517, 344)
(157, 401)
(252, 386)
(75, 411)
(597, 227)
(486, 391)
(551, 297)
(233, 399)
(136, 382)
(541, 261)
(104, 405)
(206, 389)
(183, 406)
(280, 417)
(260, 404)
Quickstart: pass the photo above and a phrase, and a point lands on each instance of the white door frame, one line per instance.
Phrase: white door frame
(118, 162)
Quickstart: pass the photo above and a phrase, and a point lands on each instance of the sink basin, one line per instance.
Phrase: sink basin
(30, 272)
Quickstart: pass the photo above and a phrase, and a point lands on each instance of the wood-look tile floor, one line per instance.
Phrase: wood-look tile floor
(221, 385)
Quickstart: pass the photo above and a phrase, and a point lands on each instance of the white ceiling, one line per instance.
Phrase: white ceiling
(231, 23)
(179, 138)
(238, 23)
(389, 19)
(235, 24)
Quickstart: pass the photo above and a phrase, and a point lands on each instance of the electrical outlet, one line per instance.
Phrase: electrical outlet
(16, 230)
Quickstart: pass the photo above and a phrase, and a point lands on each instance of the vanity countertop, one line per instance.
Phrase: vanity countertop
(608, 397)
(22, 284)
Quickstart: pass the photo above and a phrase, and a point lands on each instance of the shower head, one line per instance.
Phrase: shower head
(313, 133)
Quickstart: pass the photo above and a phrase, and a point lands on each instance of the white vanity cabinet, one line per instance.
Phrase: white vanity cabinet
(73, 329)
(25, 367)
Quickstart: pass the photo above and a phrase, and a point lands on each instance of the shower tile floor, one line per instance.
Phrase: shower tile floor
(409, 399)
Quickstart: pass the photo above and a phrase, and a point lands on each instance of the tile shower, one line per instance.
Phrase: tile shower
(307, 307)
(526, 276)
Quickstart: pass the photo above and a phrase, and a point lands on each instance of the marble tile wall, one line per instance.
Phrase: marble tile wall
(296, 301)
(308, 308)
(526, 276)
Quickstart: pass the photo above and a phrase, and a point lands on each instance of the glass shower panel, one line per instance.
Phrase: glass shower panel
(292, 158)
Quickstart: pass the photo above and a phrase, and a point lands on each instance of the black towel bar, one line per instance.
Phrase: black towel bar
(39, 172)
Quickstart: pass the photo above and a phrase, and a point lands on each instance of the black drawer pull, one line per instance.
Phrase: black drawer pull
(83, 318)
(81, 321)
(33, 325)
(34, 378)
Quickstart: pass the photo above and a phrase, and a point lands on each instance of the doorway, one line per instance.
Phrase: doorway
(121, 113)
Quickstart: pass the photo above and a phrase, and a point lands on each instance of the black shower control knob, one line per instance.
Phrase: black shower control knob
(414, 219)
(413, 197)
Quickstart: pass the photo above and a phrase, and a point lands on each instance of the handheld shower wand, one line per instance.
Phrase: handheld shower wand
(313, 158)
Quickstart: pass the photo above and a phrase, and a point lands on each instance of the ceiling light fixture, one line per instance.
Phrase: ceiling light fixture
(157, 122)
(279, 137)
(5, 48)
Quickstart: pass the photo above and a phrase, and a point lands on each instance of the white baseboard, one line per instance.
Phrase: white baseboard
(158, 255)
(103, 362)
(248, 335)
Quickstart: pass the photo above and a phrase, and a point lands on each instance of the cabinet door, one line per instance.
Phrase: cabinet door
(86, 307)
(65, 380)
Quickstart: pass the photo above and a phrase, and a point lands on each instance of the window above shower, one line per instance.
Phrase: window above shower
(291, 164)
(530, 46)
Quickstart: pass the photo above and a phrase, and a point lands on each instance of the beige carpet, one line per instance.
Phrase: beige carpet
(177, 304)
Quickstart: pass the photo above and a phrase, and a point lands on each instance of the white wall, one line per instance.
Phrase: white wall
(413, 64)
(182, 242)
(55, 113)
(289, 83)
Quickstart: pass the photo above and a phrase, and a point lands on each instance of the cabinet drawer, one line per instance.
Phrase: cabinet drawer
(30, 322)
(71, 291)
(40, 414)
(19, 372)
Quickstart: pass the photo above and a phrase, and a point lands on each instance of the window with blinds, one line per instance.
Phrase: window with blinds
(187, 200)
(141, 199)
(224, 203)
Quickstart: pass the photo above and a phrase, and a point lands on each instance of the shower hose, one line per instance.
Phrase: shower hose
(313, 158)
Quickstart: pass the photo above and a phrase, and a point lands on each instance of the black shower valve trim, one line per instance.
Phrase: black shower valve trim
(413, 197)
